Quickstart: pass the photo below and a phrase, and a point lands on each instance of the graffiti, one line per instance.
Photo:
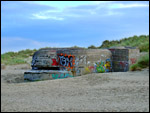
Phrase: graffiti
(124, 65)
(100, 67)
(55, 63)
(60, 76)
(133, 60)
(108, 65)
(120, 66)
(87, 70)
(66, 61)
(80, 60)
(91, 68)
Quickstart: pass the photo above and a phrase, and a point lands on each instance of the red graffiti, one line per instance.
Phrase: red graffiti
(123, 64)
(54, 62)
(133, 60)
(91, 68)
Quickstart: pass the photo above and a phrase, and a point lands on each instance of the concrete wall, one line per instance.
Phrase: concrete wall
(123, 58)
(134, 55)
(35, 75)
(120, 58)
(77, 60)
(81, 61)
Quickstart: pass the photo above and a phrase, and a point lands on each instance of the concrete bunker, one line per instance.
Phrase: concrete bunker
(57, 63)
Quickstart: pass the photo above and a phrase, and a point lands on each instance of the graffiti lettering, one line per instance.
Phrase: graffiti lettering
(67, 61)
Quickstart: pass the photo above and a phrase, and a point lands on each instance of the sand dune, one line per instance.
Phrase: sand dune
(117, 91)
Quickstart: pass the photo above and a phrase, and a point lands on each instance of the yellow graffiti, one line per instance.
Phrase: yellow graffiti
(108, 65)
(87, 70)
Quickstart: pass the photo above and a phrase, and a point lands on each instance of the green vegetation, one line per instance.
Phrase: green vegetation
(11, 58)
(143, 62)
(142, 42)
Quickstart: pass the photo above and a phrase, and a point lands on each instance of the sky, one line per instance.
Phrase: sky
(38, 24)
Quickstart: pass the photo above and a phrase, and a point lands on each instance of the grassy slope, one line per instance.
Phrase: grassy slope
(11, 58)
(143, 62)
(142, 42)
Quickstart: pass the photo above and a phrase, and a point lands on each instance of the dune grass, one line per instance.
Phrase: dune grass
(143, 62)
(12, 58)
(142, 42)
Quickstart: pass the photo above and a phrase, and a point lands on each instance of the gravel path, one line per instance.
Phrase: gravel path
(107, 92)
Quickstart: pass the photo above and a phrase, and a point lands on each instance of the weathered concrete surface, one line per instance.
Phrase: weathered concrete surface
(120, 59)
(81, 61)
(134, 55)
(49, 57)
(66, 59)
(124, 57)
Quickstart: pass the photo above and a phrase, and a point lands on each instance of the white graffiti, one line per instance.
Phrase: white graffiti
(65, 61)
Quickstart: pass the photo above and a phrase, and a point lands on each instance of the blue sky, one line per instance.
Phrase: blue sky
(36, 24)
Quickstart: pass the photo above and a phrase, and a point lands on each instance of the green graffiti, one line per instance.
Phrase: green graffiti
(60, 76)
(100, 67)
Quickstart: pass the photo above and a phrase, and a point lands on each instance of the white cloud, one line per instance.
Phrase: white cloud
(102, 2)
(101, 8)
(120, 5)
(43, 17)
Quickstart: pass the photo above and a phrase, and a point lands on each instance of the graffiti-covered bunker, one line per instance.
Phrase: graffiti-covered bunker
(55, 63)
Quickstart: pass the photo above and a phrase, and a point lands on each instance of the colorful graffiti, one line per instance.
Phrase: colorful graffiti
(102, 67)
(61, 76)
(108, 65)
(91, 68)
(67, 61)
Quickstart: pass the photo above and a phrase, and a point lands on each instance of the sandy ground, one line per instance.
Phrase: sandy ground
(107, 92)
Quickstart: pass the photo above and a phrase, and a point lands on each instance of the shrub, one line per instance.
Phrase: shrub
(143, 62)
(134, 67)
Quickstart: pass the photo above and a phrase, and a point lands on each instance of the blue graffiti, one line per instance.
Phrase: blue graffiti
(60, 76)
